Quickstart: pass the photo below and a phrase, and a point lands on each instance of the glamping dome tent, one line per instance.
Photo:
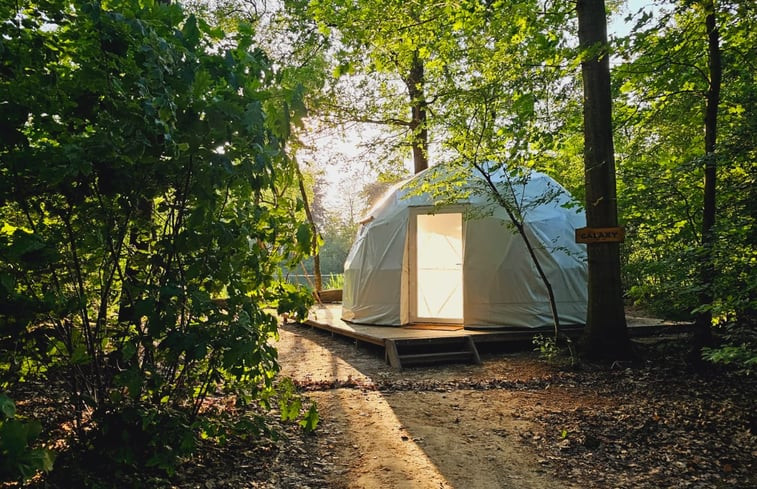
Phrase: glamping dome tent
(417, 261)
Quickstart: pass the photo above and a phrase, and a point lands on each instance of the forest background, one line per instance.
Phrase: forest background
(529, 85)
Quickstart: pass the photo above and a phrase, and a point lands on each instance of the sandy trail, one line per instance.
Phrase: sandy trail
(435, 437)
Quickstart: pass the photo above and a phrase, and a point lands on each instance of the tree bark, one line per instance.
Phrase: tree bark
(703, 323)
(419, 113)
(318, 279)
(605, 336)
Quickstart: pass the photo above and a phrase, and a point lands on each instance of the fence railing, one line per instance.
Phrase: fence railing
(330, 280)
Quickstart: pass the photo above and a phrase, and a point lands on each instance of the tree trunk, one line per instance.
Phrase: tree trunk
(605, 336)
(316, 256)
(520, 226)
(419, 107)
(702, 331)
(140, 242)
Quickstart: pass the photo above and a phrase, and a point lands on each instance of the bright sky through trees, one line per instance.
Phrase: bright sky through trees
(342, 155)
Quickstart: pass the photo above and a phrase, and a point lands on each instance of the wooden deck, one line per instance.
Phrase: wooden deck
(328, 318)
(421, 338)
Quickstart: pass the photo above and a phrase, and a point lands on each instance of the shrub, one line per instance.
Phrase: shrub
(144, 176)
(18, 460)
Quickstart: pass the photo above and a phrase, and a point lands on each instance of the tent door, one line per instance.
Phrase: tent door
(436, 288)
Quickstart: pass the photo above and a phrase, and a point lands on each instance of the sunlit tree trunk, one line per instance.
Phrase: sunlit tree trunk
(606, 335)
(419, 112)
(318, 279)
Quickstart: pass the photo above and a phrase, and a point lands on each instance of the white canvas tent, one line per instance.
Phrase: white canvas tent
(414, 262)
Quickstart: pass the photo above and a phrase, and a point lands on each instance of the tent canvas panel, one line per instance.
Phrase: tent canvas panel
(376, 275)
(501, 287)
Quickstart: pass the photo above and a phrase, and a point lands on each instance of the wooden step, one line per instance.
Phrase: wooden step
(432, 341)
(427, 351)
(328, 296)
(449, 356)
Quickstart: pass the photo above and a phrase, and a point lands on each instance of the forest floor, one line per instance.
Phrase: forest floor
(515, 421)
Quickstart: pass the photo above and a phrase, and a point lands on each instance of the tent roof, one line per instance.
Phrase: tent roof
(445, 185)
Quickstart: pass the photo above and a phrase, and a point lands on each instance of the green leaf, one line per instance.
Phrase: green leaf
(7, 282)
(132, 379)
(14, 436)
(524, 105)
(38, 459)
(7, 407)
(290, 408)
(304, 237)
(190, 32)
(297, 103)
(25, 243)
(254, 117)
(79, 355)
(311, 419)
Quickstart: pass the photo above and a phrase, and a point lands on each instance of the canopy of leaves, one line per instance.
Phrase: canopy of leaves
(660, 90)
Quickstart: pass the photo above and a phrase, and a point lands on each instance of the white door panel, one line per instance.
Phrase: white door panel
(439, 270)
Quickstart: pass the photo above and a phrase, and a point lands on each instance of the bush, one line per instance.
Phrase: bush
(546, 346)
(145, 220)
(739, 349)
(18, 461)
(335, 281)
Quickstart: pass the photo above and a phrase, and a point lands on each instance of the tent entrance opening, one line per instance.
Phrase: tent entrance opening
(439, 267)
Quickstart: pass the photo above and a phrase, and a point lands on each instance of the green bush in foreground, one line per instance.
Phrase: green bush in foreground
(18, 461)
(145, 217)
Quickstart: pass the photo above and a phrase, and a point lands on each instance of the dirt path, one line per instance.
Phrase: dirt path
(433, 436)
(515, 422)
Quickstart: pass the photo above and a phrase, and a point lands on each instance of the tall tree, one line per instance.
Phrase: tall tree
(703, 335)
(318, 279)
(606, 335)
(378, 47)
(415, 82)
(668, 88)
